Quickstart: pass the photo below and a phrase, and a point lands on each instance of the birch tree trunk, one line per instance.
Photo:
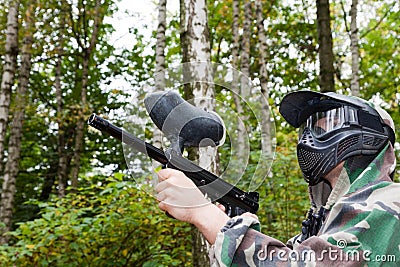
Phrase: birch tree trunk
(87, 55)
(160, 46)
(235, 44)
(62, 172)
(160, 61)
(196, 49)
(236, 84)
(244, 86)
(327, 71)
(355, 55)
(14, 145)
(7, 80)
(266, 116)
(245, 50)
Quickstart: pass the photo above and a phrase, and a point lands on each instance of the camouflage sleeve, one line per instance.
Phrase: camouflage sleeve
(241, 244)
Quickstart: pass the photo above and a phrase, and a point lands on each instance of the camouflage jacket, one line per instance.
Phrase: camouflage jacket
(362, 227)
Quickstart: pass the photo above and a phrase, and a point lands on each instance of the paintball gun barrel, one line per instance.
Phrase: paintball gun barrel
(235, 200)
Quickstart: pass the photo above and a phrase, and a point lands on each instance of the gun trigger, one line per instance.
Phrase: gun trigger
(168, 155)
(228, 209)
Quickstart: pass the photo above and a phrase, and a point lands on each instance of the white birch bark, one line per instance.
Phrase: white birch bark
(245, 50)
(196, 50)
(243, 88)
(160, 63)
(14, 145)
(265, 112)
(355, 54)
(236, 84)
(7, 80)
(160, 46)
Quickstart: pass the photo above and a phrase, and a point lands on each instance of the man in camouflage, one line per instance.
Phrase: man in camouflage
(346, 154)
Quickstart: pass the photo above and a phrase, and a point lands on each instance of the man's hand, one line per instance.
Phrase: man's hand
(180, 197)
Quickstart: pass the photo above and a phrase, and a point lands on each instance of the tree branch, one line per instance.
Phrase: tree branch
(380, 21)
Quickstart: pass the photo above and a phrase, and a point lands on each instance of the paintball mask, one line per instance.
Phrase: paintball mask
(332, 128)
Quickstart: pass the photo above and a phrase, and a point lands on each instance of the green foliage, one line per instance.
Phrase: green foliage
(37, 176)
(114, 224)
(284, 196)
(380, 63)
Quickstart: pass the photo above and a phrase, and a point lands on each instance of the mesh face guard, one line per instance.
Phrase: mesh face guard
(332, 128)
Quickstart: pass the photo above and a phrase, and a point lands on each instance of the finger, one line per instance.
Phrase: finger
(161, 186)
(162, 206)
(165, 174)
(162, 175)
(169, 173)
(248, 214)
(221, 207)
(161, 196)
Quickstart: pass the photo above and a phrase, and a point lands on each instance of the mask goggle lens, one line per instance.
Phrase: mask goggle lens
(326, 121)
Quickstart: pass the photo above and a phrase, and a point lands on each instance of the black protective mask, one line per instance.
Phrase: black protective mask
(333, 128)
(328, 138)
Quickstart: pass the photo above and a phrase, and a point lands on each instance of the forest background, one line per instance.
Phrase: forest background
(67, 197)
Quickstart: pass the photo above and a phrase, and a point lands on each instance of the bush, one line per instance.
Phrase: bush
(284, 199)
(112, 225)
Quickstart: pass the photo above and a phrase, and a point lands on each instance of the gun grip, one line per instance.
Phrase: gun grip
(232, 211)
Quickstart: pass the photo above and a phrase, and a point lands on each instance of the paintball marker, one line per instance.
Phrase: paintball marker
(185, 125)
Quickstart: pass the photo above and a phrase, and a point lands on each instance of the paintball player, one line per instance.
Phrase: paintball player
(346, 154)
